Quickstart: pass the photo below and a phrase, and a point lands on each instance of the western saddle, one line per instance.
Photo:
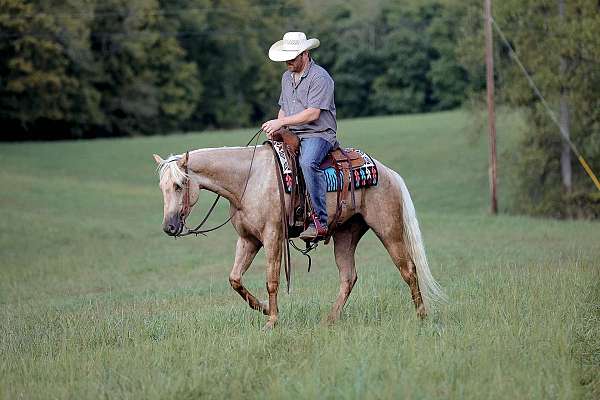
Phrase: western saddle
(300, 213)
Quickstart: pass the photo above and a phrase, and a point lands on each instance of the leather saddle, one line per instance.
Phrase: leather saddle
(300, 214)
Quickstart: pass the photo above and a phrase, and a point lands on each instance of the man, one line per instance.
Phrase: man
(307, 108)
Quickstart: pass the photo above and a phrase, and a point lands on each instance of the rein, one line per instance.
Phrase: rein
(198, 231)
(186, 197)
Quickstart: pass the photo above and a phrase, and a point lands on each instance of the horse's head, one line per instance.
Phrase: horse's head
(179, 192)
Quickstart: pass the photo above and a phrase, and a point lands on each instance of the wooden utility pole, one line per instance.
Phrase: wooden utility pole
(565, 155)
(489, 63)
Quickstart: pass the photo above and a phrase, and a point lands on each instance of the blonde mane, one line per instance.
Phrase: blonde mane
(168, 169)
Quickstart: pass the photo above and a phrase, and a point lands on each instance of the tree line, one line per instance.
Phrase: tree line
(91, 68)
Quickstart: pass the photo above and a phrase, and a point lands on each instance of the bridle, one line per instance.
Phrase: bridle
(185, 209)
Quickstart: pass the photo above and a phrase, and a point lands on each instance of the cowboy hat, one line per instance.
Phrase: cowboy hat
(293, 43)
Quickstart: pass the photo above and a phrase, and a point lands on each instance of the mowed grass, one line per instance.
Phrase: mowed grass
(96, 302)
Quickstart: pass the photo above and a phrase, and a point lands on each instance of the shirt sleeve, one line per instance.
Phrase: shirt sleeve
(320, 93)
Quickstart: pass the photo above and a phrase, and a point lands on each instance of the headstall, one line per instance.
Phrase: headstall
(185, 209)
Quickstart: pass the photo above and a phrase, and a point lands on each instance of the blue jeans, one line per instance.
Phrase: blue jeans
(312, 152)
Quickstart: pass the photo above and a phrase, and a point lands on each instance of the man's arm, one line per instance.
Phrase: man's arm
(304, 117)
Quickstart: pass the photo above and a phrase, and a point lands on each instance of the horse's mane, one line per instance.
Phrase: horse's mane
(169, 169)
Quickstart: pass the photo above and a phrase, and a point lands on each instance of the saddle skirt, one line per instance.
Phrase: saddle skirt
(345, 171)
(363, 171)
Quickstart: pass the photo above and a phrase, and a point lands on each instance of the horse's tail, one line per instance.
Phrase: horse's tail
(431, 292)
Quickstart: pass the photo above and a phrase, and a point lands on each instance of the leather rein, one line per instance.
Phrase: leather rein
(185, 209)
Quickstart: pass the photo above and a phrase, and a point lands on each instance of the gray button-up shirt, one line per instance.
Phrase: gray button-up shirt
(314, 90)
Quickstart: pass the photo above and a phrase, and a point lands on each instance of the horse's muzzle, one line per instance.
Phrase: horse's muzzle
(173, 226)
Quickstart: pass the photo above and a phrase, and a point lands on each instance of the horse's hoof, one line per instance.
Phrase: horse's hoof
(264, 306)
(330, 320)
(270, 325)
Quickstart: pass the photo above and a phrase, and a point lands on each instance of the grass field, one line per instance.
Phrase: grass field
(96, 302)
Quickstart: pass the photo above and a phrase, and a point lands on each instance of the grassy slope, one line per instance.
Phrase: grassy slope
(96, 301)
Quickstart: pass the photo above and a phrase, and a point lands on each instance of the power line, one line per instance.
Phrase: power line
(134, 33)
(157, 11)
(175, 33)
(549, 110)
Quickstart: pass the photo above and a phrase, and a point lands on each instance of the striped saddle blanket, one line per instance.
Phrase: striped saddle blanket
(364, 175)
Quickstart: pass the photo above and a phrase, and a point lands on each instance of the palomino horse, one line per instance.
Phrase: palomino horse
(246, 176)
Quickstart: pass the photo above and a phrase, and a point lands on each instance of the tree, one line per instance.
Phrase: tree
(560, 53)
(146, 85)
(423, 72)
(34, 69)
(228, 41)
(348, 34)
(102, 68)
(450, 81)
(90, 68)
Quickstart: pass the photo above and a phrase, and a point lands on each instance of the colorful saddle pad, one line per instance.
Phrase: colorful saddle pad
(364, 176)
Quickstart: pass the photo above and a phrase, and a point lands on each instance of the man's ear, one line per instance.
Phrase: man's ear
(157, 159)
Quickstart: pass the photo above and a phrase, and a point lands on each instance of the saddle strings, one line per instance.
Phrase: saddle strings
(196, 231)
(309, 247)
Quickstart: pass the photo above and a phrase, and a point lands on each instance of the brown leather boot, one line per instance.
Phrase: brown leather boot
(312, 234)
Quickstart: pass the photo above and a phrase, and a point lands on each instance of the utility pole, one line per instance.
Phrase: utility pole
(565, 155)
(489, 63)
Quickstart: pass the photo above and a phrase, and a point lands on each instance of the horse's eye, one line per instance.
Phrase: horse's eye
(177, 187)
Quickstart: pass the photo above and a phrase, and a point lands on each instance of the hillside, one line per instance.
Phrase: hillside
(96, 301)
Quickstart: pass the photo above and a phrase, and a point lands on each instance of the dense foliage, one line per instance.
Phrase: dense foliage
(115, 67)
(541, 38)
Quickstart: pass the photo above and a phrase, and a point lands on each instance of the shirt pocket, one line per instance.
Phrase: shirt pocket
(282, 102)
(285, 104)
(302, 94)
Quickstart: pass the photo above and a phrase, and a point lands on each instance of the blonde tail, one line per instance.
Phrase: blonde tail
(431, 291)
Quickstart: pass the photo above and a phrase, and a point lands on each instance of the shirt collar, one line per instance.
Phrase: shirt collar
(310, 64)
(304, 74)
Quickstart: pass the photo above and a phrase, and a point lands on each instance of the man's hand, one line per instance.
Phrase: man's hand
(271, 126)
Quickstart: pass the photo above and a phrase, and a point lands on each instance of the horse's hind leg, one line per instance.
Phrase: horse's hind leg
(245, 252)
(389, 212)
(399, 253)
(345, 241)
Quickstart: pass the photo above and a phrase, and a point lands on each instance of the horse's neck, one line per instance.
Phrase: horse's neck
(222, 170)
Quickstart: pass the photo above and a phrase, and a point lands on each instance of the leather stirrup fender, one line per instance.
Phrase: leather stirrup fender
(284, 224)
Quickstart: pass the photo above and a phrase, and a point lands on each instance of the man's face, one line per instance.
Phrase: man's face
(297, 64)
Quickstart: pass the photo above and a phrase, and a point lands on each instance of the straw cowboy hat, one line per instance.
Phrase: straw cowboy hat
(293, 43)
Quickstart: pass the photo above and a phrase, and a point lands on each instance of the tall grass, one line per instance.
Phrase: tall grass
(95, 301)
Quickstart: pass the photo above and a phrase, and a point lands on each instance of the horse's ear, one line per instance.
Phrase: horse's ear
(182, 162)
(158, 159)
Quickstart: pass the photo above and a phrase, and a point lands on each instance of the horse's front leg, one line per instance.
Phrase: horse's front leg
(245, 252)
(273, 251)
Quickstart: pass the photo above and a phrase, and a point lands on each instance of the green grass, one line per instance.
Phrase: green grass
(95, 301)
